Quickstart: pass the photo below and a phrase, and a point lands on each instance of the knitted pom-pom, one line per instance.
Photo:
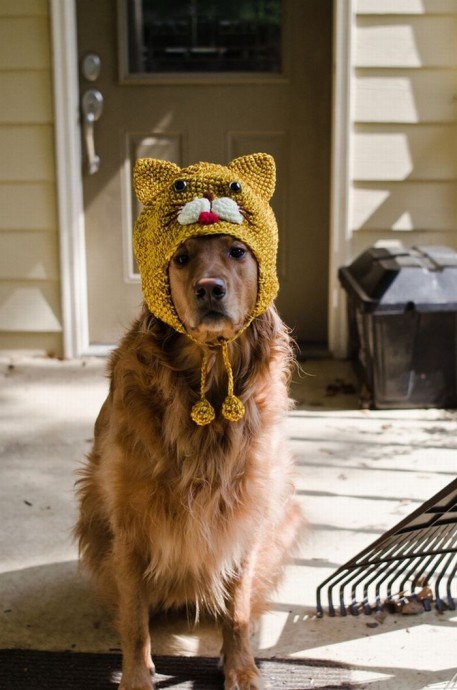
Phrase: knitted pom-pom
(202, 413)
(233, 408)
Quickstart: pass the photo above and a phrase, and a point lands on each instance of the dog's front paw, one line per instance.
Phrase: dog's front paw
(243, 679)
(140, 679)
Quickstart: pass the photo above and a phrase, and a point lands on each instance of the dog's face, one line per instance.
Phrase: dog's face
(213, 282)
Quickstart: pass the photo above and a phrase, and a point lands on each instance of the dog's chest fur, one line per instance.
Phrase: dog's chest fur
(193, 501)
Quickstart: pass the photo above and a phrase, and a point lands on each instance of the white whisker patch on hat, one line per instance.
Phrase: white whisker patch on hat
(224, 208)
(227, 209)
(190, 212)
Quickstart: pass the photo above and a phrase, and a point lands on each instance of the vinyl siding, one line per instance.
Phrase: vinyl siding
(30, 310)
(404, 137)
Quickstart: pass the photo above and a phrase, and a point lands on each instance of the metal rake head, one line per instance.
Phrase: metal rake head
(411, 565)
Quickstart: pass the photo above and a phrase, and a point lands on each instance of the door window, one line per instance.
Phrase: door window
(202, 36)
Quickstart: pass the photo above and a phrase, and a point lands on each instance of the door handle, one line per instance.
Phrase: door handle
(92, 108)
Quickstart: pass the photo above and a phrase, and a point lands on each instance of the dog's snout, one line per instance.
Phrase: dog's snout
(207, 289)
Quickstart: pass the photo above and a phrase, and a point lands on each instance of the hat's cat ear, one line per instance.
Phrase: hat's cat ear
(149, 176)
(259, 171)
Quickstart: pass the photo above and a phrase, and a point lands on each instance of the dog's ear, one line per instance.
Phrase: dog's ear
(259, 171)
(149, 176)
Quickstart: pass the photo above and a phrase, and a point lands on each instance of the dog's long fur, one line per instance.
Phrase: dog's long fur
(173, 514)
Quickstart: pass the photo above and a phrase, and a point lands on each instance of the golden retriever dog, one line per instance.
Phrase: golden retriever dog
(177, 514)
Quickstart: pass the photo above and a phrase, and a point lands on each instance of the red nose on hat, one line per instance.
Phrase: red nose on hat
(208, 218)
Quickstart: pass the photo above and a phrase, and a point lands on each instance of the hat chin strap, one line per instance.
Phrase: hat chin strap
(233, 409)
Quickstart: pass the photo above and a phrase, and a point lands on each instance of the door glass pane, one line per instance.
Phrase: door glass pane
(204, 36)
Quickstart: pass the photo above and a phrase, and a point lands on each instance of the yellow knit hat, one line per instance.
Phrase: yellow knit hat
(204, 199)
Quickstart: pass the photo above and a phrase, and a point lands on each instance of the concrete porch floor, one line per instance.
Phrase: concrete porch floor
(359, 472)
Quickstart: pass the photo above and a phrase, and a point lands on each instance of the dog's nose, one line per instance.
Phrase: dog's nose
(207, 289)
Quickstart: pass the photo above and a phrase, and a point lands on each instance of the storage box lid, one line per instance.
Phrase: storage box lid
(398, 279)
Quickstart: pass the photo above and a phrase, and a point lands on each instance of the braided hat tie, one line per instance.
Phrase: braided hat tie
(232, 408)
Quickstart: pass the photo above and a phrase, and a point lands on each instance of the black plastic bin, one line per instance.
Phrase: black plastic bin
(402, 309)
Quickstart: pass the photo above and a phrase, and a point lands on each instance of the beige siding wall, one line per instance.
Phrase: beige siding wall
(404, 153)
(30, 312)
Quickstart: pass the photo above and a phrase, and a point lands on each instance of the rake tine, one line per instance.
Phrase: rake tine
(433, 561)
(353, 605)
(364, 602)
(412, 574)
(424, 574)
(399, 570)
(342, 582)
(414, 563)
(450, 599)
(408, 557)
(387, 574)
(436, 540)
(402, 553)
(439, 603)
(385, 557)
(356, 567)
(371, 567)
(331, 608)
(332, 581)
(339, 576)
(345, 573)
(452, 550)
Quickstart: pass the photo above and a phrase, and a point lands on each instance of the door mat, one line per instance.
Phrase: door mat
(23, 669)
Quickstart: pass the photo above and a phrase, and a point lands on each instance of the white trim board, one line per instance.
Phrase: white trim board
(340, 241)
(69, 180)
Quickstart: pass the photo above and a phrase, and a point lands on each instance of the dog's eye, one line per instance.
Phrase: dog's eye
(181, 259)
(179, 185)
(237, 252)
(235, 187)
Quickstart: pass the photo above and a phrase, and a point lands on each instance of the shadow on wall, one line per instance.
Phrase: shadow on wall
(405, 163)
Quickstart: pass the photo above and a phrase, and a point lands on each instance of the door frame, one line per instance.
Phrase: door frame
(68, 156)
(70, 203)
(340, 172)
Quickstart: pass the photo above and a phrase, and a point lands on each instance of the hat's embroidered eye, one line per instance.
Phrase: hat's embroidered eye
(179, 185)
(235, 187)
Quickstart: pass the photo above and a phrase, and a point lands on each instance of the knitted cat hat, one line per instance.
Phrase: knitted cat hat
(205, 199)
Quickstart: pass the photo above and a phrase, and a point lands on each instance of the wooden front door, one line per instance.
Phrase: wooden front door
(198, 80)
